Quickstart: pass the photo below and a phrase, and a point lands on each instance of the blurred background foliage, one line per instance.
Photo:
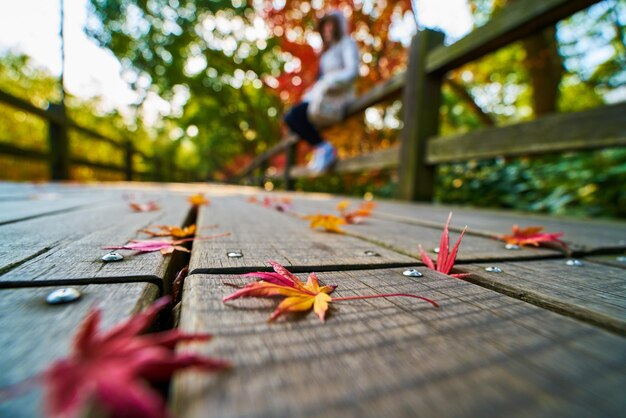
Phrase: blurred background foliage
(229, 68)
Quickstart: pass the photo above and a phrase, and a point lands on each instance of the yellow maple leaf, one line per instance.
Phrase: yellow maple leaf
(198, 200)
(330, 223)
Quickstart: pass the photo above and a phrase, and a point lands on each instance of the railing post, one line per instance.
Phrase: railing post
(128, 160)
(290, 160)
(59, 145)
(260, 180)
(421, 102)
(157, 168)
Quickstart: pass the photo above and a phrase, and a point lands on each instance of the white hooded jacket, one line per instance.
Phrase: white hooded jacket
(339, 69)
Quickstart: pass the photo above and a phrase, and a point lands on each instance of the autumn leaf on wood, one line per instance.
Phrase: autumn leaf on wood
(164, 246)
(170, 231)
(112, 369)
(446, 257)
(352, 217)
(532, 235)
(299, 296)
(282, 204)
(198, 200)
(177, 284)
(330, 223)
(144, 207)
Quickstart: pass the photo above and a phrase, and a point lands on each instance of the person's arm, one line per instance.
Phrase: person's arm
(346, 76)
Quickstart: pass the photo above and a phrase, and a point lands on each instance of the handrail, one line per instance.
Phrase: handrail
(515, 23)
(420, 148)
(59, 123)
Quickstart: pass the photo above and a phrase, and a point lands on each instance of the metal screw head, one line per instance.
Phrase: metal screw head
(512, 247)
(66, 295)
(621, 258)
(371, 253)
(412, 273)
(436, 250)
(234, 254)
(574, 263)
(493, 269)
(112, 256)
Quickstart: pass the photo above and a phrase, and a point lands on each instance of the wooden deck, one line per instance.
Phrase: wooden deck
(542, 338)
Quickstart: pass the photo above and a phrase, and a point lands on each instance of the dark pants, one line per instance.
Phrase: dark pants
(299, 123)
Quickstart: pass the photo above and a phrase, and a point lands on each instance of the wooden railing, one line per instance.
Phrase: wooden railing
(420, 147)
(60, 159)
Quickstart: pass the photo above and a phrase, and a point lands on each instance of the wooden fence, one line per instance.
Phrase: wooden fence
(421, 149)
(60, 159)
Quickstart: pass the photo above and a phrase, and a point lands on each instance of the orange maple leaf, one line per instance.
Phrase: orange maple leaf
(198, 200)
(299, 296)
(445, 258)
(364, 210)
(144, 207)
(531, 235)
(330, 223)
(170, 231)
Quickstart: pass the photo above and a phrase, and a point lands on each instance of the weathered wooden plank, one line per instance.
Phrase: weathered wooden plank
(33, 334)
(421, 101)
(611, 260)
(597, 128)
(593, 292)
(262, 234)
(480, 354)
(44, 204)
(67, 247)
(582, 235)
(405, 238)
(514, 23)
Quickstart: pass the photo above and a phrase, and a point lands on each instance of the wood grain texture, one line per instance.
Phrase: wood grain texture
(15, 211)
(480, 354)
(405, 238)
(263, 234)
(67, 247)
(33, 334)
(592, 129)
(584, 236)
(594, 292)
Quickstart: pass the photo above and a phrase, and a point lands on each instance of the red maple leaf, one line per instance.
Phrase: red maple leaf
(113, 369)
(445, 258)
(532, 235)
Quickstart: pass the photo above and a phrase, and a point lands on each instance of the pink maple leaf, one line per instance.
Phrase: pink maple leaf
(144, 207)
(113, 369)
(166, 247)
(445, 258)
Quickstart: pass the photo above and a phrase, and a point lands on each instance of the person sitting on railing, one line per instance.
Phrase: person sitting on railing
(327, 99)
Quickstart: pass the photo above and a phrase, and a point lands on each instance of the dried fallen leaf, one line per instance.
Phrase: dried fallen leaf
(170, 231)
(282, 204)
(532, 235)
(445, 258)
(164, 246)
(110, 369)
(198, 200)
(330, 223)
(144, 207)
(352, 217)
(299, 296)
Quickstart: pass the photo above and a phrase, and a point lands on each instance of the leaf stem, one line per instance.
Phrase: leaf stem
(406, 295)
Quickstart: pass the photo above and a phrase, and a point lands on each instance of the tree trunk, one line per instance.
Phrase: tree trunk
(544, 65)
(545, 69)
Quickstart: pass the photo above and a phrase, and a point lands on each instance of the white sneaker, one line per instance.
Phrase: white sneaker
(325, 156)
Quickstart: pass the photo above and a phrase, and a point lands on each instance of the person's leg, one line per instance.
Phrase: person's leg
(324, 154)
(299, 123)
